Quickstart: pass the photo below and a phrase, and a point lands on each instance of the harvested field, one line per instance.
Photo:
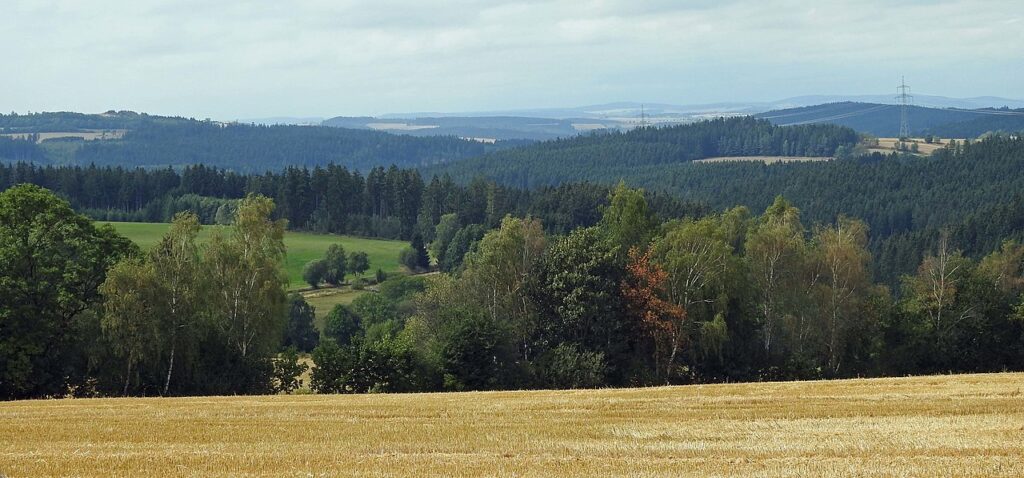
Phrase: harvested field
(966, 425)
(764, 159)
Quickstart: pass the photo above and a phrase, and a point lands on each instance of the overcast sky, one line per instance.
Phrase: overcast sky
(226, 60)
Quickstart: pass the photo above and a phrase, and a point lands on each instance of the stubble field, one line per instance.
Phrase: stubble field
(967, 425)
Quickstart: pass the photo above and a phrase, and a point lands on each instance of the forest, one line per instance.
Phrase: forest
(868, 265)
(971, 190)
(157, 142)
(608, 157)
(632, 300)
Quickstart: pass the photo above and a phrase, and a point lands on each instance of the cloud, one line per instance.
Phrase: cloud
(318, 57)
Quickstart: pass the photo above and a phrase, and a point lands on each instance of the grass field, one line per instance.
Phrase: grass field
(324, 300)
(302, 247)
(764, 159)
(966, 425)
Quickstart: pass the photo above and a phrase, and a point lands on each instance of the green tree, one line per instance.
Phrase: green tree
(336, 262)
(342, 325)
(444, 232)
(576, 290)
(774, 254)
(300, 332)
(497, 272)
(628, 220)
(698, 260)
(133, 309)
(248, 280)
(358, 263)
(287, 370)
(844, 260)
(314, 272)
(177, 260)
(51, 264)
(422, 258)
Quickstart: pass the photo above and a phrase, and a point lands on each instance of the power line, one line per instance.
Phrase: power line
(903, 100)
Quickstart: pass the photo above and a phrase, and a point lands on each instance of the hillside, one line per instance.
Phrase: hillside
(485, 128)
(608, 157)
(130, 140)
(884, 119)
(965, 425)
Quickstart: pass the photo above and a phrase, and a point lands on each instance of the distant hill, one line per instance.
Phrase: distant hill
(549, 123)
(483, 128)
(606, 157)
(131, 139)
(884, 119)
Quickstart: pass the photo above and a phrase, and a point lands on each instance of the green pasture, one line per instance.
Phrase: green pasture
(302, 247)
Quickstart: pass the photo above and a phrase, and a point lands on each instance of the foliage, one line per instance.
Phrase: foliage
(52, 262)
(314, 272)
(287, 370)
(299, 331)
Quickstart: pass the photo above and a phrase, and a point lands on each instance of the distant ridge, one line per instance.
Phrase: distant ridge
(883, 119)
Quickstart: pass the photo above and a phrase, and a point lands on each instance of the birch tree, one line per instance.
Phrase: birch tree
(247, 278)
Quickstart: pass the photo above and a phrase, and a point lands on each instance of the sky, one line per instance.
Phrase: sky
(226, 60)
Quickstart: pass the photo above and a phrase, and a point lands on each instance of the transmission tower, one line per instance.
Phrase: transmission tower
(643, 116)
(903, 99)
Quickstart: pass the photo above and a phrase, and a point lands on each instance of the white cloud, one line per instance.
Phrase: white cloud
(318, 57)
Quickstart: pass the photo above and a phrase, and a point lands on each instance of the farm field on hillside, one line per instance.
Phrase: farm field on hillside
(966, 425)
(764, 159)
(888, 145)
(302, 247)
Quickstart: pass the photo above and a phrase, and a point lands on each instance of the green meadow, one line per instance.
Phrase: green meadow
(302, 247)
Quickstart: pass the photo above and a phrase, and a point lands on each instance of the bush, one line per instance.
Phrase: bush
(384, 366)
(287, 370)
(409, 258)
(569, 366)
(300, 332)
(314, 271)
(342, 325)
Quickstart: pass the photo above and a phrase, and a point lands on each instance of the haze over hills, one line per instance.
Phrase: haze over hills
(550, 123)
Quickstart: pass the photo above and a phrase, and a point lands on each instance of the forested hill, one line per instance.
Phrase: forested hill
(608, 157)
(148, 141)
(884, 120)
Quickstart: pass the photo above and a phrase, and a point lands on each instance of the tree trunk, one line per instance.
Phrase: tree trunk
(170, 366)
(127, 376)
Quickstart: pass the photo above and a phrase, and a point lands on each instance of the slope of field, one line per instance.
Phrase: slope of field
(302, 246)
(764, 159)
(968, 425)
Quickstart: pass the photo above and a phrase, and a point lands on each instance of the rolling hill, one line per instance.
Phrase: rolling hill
(884, 119)
(157, 142)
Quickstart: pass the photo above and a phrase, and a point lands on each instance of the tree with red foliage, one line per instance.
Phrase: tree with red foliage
(644, 289)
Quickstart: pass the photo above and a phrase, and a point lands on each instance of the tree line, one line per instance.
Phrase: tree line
(389, 203)
(633, 300)
(638, 301)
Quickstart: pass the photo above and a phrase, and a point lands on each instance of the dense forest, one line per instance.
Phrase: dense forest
(971, 190)
(609, 156)
(155, 142)
(388, 203)
(905, 199)
(629, 301)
